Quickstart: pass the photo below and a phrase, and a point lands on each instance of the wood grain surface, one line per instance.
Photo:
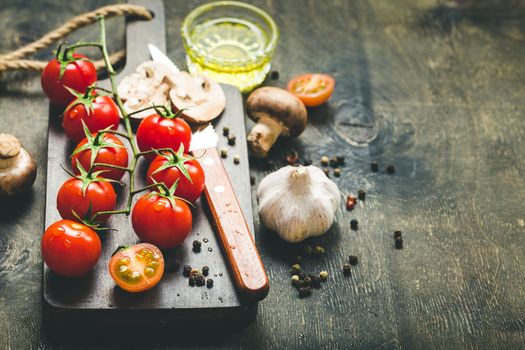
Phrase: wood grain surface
(444, 87)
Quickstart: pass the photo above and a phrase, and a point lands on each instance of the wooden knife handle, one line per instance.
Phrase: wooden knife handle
(237, 241)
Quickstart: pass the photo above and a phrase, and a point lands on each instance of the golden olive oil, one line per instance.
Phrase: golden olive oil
(229, 50)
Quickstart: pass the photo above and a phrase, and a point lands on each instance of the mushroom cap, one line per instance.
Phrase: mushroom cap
(17, 167)
(280, 105)
(201, 97)
(9, 146)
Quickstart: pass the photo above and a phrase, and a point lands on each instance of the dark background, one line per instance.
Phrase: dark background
(445, 87)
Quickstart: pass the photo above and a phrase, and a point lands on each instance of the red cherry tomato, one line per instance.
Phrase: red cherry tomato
(105, 114)
(156, 132)
(70, 249)
(189, 190)
(117, 156)
(156, 221)
(77, 76)
(312, 89)
(137, 268)
(100, 195)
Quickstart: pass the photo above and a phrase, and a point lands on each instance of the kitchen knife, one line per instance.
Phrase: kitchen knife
(235, 236)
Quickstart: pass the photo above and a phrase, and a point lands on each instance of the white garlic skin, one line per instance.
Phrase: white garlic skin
(298, 202)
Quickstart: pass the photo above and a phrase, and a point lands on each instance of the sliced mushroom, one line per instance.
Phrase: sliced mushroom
(201, 97)
(17, 167)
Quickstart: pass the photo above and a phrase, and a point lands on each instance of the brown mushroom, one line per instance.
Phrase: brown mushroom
(17, 167)
(201, 98)
(276, 112)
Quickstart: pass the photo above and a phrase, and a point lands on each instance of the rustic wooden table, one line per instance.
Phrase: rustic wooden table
(445, 88)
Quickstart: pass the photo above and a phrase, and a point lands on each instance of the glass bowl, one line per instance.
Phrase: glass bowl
(231, 42)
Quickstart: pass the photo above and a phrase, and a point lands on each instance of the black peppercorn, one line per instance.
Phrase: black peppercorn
(307, 280)
(390, 169)
(353, 224)
(304, 292)
(298, 283)
(353, 260)
(225, 131)
(399, 243)
(186, 271)
(333, 163)
(340, 160)
(301, 275)
(397, 234)
(307, 162)
(200, 280)
(196, 246)
(316, 282)
(209, 283)
(374, 166)
(347, 270)
(191, 281)
(361, 194)
(231, 140)
(205, 270)
(274, 75)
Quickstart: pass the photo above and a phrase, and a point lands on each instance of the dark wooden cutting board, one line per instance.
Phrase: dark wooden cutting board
(95, 297)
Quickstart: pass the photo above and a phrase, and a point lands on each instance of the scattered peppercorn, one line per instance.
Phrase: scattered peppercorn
(390, 169)
(353, 260)
(347, 270)
(397, 234)
(318, 250)
(337, 172)
(205, 270)
(274, 75)
(323, 275)
(307, 249)
(298, 284)
(292, 158)
(316, 282)
(324, 160)
(326, 172)
(307, 280)
(209, 283)
(191, 281)
(200, 280)
(224, 152)
(225, 131)
(333, 163)
(296, 268)
(186, 270)
(304, 292)
(231, 140)
(399, 243)
(340, 160)
(301, 275)
(295, 278)
(374, 166)
(361, 194)
(196, 246)
(353, 224)
(307, 162)
(236, 159)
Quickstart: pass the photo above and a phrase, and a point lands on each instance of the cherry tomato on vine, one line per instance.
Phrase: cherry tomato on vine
(156, 131)
(312, 89)
(108, 150)
(161, 220)
(97, 112)
(77, 75)
(85, 195)
(169, 168)
(137, 268)
(70, 249)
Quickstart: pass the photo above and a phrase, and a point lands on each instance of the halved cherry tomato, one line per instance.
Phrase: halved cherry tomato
(99, 196)
(161, 221)
(106, 153)
(137, 268)
(70, 249)
(78, 76)
(105, 114)
(312, 89)
(167, 169)
(156, 132)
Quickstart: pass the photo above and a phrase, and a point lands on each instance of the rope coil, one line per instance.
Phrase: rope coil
(14, 60)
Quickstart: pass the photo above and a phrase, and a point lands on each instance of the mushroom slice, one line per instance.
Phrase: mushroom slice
(201, 97)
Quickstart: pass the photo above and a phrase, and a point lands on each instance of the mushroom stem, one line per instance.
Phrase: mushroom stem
(263, 135)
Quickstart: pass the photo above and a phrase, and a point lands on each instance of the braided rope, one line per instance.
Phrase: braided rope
(13, 60)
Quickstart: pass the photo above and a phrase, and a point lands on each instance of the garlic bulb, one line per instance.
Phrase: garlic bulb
(298, 202)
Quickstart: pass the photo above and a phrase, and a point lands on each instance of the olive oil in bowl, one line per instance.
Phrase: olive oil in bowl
(230, 42)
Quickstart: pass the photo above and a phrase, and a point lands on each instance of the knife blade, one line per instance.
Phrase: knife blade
(234, 233)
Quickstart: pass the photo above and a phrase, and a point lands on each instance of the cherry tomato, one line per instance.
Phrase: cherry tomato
(70, 249)
(106, 154)
(156, 132)
(100, 195)
(189, 190)
(105, 114)
(312, 89)
(77, 76)
(156, 221)
(137, 268)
